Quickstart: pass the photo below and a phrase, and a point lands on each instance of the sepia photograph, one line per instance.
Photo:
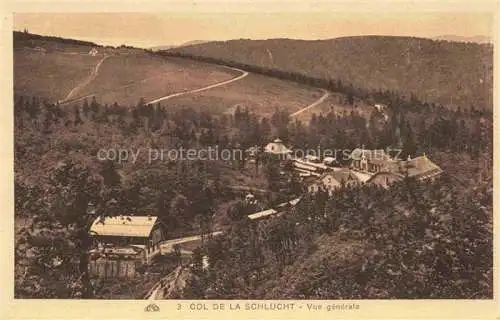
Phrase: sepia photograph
(256, 156)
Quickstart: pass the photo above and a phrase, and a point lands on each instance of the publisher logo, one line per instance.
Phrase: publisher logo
(152, 308)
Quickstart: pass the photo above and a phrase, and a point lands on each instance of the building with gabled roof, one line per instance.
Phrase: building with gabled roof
(332, 180)
(420, 168)
(277, 148)
(145, 232)
(370, 160)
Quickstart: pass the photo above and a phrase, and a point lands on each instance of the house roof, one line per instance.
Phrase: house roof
(377, 180)
(277, 147)
(362, 176)
(377, 154)
(261, 214)
(346, 175)
(303, 166)
(310, 164)
(124, 226)
(422, 166)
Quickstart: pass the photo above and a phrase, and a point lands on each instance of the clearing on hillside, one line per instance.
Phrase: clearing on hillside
(260, 94)
(50, 75)
(127, 78)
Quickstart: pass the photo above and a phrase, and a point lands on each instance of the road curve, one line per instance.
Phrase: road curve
(91, 77)
(326, 94)
(215, 85)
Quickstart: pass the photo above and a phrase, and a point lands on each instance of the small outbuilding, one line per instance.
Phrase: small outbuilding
(93, 52)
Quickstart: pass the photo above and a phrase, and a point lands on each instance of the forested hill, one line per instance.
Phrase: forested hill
(448, 73)
(21, 38)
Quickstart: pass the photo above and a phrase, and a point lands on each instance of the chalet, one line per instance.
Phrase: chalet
(420, 168)
(144, 232)
(370, 160)
(277, 148)
(332, 180)
(329, 182)
(384, 179)
(346, 177)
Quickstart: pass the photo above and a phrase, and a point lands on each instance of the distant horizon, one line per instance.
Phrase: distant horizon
(147, 30)
(484, 39)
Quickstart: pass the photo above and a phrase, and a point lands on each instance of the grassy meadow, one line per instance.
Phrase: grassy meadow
(50, 75)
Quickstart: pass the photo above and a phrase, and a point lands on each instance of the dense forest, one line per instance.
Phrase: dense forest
(412, 241)
(431, 241)
(448, 73)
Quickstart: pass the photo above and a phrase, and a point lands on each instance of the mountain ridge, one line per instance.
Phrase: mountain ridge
(449, 73)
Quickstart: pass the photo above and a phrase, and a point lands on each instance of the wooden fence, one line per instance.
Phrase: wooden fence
(106, 268)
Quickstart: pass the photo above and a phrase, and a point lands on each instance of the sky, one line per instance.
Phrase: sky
(147, 29)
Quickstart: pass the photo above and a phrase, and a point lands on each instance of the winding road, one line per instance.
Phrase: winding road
(91, 77)
(326, 94)
(244, 73)
(95, 72)
(215, 85)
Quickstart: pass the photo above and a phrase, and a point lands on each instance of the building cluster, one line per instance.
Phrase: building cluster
(375, 167)
(140, 237)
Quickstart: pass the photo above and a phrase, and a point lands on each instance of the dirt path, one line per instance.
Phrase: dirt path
(171, 242)
(326, 94)
(215, 85)
(81, 85)
(66, 100)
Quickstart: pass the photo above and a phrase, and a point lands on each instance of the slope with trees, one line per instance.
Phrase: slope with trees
(449, 73)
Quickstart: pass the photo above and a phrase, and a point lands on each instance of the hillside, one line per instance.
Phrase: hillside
(475, 39)
(185, 44)
(57, 69)
(26, 38)
(65, 72)
(449, 73)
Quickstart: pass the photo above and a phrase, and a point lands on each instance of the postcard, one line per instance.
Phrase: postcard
(249, 160)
